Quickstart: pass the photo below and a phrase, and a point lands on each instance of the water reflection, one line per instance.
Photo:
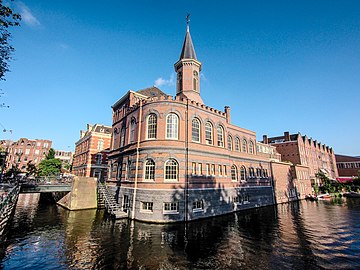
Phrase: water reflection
(306, 235)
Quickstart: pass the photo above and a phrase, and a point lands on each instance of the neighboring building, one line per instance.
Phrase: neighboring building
(23, 151)
(66, 157)
(348, 166)
(91, 152)
(300, 150)
(177, 159)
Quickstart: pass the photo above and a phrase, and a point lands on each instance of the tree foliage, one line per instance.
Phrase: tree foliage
(49, 167)
(31, 169)
(51, 154)
(8, 18)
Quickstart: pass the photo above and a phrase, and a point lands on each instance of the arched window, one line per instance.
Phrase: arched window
(172, 122)
(230, 143)
(244, 146)
(151, 126)
(195, 134)
(251, 172)
(258, 172)
(149, 169)
(171, 170)
(251, 147)
(132, 130)
(220, 136)
(208, 133)
(122, 137)
(237, 144)
(243, 173)
(233, 173)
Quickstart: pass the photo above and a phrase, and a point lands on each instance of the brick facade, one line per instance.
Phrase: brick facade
(91, 152)
(348, 166)
(177, 159)
(23, 151)
(300, 150)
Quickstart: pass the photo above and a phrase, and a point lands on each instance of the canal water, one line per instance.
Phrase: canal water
(305, 235)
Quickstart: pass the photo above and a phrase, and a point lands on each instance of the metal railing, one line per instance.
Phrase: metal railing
(111, 206)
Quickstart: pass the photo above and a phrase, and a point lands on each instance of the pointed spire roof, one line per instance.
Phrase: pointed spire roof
(188, 51)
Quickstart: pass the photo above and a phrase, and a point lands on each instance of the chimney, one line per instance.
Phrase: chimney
(265, 139)
(227, 112)
(287, 136)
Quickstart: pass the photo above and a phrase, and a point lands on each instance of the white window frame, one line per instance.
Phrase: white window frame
(151, 126)
(195, 130)
(171, 208)
(172, 126)
(166, 173)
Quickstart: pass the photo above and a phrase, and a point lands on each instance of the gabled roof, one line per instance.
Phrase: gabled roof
(151, 92)
(188, 51)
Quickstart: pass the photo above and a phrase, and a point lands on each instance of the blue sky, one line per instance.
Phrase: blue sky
(280, 65)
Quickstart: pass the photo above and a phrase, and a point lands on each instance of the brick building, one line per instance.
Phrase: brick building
(176, 159)
(23, 151)
(348, 166)
(66, 157)
(300, 150)
(91, 152)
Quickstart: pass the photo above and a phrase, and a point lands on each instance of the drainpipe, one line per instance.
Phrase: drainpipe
(137, 162)
(186, 160)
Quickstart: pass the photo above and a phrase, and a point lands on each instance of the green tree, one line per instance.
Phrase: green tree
(49, 167)
(8, 18)
(51, 154)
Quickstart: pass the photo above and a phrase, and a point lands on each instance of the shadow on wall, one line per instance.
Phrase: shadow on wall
(202, 197)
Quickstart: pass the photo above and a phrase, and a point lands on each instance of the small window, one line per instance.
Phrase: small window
(198, 206)
(200, 168)
(193, 168)
(171, 208)
(147, 206)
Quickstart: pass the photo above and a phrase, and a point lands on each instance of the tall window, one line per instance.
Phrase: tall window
(244, 146)
(115, 138)
(132, 130)
(122, 137)
(151, 126)
(208, 133)
(98, 158)
(195, 81)
(251, 172)
(195, 134)
(220, 136)
(149, 169)
(251, 147)
(171, 170)
(242, 173)
(233, 173)
(237, 144)
(230, 143)
(172, 122)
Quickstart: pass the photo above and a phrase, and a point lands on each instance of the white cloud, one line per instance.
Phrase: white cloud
(163, 82)
(26, 15)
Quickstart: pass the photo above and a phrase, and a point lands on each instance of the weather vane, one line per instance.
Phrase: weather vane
(187, 21)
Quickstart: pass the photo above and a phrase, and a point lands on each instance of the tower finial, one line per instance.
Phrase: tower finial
(187, 22)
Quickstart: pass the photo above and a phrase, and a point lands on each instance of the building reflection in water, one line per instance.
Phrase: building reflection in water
(306, 235)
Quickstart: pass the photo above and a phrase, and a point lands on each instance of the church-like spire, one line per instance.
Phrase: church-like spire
(188, 51)
(188, 70)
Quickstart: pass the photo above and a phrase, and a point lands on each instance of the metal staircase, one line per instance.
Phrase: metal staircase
(111, 206)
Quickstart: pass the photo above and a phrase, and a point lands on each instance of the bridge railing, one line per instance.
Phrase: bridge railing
(8, 197)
